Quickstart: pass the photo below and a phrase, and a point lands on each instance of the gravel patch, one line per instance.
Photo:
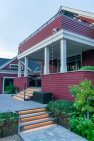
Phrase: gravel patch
(11, 138)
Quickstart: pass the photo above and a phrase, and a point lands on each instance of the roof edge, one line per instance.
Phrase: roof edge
(80, 12)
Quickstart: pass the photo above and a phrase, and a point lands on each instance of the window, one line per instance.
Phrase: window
(74, 63)
(15, 67)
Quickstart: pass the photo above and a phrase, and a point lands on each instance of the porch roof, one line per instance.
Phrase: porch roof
(81, 43)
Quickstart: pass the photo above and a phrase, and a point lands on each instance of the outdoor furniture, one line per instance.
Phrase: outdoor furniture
(42, 97)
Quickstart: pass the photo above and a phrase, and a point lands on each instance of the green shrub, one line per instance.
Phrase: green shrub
(60, 106)
(8, 124)
(10, 89)
(83, 127)
(87, 68)
(8, 116)
(82, 92)
(78, 122)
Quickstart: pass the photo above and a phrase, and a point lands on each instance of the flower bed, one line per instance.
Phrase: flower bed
(8, 124)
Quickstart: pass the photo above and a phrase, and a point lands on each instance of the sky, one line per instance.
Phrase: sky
(20, 18)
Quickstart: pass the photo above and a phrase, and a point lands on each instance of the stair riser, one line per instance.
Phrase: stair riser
(34, 118)
(31, 111)
(26, 94)
(36, 126)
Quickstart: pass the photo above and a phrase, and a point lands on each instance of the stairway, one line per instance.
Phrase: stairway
(34, 119)
(28, 94)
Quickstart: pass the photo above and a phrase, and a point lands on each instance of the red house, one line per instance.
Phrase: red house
(63, 44)
(9, 72)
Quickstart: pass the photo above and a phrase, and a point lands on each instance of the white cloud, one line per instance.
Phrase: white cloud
(7, 50)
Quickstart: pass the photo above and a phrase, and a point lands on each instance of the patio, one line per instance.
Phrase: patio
(8, 103)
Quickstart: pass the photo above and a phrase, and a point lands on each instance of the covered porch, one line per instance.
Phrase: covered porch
(61, 58)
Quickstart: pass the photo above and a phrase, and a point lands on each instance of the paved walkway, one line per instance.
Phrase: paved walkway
(52, 133)
(8, 103)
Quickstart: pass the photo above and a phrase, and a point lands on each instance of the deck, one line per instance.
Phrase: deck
(8, 103)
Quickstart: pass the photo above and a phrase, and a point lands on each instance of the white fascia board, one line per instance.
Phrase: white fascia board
(59, 35)
(78, 38)
(8, 72)
(79, 12)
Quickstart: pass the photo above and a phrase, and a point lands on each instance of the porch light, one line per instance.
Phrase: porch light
(54, 30)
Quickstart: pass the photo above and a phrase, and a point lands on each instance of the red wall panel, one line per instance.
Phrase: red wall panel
(88, 58)
(59, 84)
(41, 35)
(21, 82)
(52, 68)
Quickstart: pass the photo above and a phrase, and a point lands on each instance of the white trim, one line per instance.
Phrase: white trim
(46, 60)
(24, 65)
(63, 56)
(8, 62)
(57, 36)
(4, 81)
(8, 71)
(78, 38)
(77, 11)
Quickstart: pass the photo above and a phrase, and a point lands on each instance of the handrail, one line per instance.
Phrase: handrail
(24, 90)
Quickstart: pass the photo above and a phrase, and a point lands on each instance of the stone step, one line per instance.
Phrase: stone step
(32, 111)
(33, 118)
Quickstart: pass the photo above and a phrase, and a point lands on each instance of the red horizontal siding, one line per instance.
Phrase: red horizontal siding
(41, 35)
(77, 27)
(21, 82)
(86, 19)
(59, 84)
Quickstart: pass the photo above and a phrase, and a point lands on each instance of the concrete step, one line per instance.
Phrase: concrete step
(26, 93)
(38, 128)
(33, 118)
(36, 125)
(33, 89)
(22, 96)
(33, 114)
(32, 111)
(27, 123)
(18, 98)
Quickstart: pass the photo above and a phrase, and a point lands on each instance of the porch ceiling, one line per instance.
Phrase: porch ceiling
(73, 48)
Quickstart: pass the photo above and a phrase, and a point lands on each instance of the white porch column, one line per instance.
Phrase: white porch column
(63, 57)
(26, 67)
(19, 68)
(46, 60)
